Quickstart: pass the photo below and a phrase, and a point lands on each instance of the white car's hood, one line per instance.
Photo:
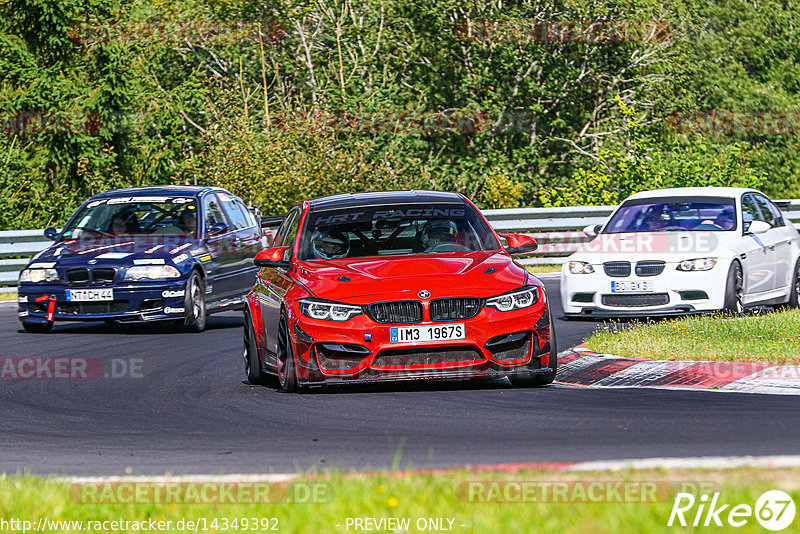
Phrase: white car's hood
(671, 247)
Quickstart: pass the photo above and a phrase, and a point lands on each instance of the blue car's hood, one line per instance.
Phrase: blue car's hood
(117, 251)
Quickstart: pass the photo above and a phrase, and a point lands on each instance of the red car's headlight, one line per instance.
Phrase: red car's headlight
(328, 311)
(515, 300)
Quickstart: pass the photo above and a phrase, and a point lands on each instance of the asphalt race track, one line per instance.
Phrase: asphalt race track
(187, 410)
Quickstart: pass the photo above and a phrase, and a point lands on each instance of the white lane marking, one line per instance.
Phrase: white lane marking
(164, 479)
(703, 462)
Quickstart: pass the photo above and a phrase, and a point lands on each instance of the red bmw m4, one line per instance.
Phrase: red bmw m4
(400, 285)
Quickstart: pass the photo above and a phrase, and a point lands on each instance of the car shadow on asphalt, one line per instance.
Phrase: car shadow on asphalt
(403, 387)
(214, 322)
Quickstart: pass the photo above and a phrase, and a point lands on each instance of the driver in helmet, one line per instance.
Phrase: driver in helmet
(725, 220)
(438, 231)
(330, 244)
(656, 220)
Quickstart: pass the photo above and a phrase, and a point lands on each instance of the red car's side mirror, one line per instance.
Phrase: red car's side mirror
(519, 243)
(272, 257)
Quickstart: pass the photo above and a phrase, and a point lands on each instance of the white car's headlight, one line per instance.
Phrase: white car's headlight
(514, 300)
(699, 264)
(580, 267)
(151, 272)
(329, 311)
(38, 275)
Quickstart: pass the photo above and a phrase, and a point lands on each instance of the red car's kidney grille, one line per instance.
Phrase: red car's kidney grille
(396, 312)
(454, 308)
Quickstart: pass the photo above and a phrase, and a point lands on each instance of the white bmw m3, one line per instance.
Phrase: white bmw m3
(685, 250)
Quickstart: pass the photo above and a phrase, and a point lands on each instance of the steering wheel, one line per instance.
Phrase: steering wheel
(710, 226)
(447, 247)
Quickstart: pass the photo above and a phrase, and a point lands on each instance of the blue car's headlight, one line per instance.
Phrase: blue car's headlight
(38, 275)
(515, 300)
(151, 272)
(329, 311)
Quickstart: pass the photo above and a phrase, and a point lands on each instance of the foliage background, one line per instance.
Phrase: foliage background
(351, 95)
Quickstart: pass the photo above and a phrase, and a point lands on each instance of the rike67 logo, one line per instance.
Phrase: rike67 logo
(774, 510)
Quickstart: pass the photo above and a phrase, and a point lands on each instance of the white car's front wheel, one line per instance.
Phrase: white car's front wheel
(794, 291)
(734, 289)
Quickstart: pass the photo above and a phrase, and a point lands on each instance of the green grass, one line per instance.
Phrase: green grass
(384, 495)
(772, 338)
(8, 296)
(538, 269)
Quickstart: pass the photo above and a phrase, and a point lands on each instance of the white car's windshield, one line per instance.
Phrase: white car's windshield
(674, 214)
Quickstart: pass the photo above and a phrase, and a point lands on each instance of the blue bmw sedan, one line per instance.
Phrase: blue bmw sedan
(144, 254)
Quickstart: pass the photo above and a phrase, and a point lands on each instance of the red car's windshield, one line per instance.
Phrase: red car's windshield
(392, 231)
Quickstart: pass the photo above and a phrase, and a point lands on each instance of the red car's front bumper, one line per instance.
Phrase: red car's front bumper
(496, 344)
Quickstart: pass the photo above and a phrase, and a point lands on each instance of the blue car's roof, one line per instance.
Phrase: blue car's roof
(172, 190)
(354, 200)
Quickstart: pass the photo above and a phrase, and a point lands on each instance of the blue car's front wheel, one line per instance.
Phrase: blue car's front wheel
(194, 313)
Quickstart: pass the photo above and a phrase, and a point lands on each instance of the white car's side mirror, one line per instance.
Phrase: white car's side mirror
(758, 227)
(592, 230)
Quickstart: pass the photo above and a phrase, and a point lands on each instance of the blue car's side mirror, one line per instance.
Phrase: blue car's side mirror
(217, 228)
(51, 233)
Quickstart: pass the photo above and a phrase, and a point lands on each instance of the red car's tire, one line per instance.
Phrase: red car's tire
(285, 365)
(542, 379)
(252, 361)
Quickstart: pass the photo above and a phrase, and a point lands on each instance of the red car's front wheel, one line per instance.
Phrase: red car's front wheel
(285, 365)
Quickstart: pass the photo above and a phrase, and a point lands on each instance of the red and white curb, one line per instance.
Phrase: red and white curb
(699, 462)
(580, 366)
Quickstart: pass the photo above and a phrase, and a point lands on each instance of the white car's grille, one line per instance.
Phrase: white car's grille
(617, 268)
(649, 268)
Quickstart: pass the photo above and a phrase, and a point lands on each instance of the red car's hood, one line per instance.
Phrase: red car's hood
(477, 274)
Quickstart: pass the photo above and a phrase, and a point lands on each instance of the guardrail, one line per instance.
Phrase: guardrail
(557, 230)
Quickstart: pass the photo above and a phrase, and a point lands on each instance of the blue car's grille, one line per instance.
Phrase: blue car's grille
(98, 275)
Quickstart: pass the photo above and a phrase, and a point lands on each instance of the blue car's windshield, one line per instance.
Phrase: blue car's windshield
(135, 216)
(673, 214)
